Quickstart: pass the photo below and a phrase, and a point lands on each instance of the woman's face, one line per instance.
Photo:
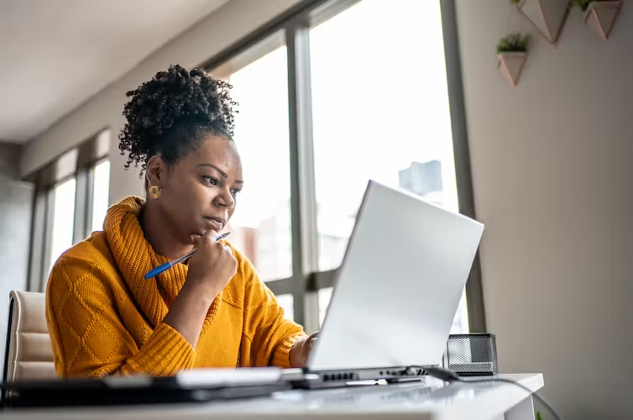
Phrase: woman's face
(199, 192)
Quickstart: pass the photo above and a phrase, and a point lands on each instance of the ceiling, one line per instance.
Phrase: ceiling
(55, 54)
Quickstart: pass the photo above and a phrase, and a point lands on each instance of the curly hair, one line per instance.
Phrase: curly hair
(172, 113)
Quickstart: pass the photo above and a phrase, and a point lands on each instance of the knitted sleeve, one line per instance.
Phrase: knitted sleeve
(269, 335)
(88, 337)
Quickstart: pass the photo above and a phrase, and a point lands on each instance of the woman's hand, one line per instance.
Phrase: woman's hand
(300, 351)
(211, 267)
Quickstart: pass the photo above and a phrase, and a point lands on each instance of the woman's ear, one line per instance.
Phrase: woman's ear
(155, 171)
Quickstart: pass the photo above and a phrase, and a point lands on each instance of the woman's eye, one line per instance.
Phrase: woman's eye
(210, 180)
(235, 192)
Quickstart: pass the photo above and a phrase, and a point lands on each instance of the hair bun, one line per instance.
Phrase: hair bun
(174, 100)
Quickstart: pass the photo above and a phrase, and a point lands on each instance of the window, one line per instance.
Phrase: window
(260, 226)
(100, 194)
(63, 211)
(286, 302)
(383, 109)
(71, 200)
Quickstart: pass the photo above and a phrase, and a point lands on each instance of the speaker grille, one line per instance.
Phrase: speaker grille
(471, 354)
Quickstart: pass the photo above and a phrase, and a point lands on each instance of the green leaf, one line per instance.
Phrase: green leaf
(514, 43)
(582, 4)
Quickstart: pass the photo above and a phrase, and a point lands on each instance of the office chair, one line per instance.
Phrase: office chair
(28, 352)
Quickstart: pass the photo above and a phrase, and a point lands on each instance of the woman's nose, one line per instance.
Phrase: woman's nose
(225, 199)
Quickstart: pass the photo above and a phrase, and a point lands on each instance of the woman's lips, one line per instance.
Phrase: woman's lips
(214, 223)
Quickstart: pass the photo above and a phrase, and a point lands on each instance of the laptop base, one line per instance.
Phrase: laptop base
(357, 377)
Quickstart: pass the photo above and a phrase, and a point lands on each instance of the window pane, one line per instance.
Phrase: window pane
(287, 302)
(380, 111)
(101, 191)
(63, 219)
(260, 226)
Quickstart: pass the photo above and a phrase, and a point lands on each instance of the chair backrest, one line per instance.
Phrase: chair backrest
(28, 355)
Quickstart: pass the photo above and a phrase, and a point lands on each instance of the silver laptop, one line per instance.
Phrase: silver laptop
(398, 287)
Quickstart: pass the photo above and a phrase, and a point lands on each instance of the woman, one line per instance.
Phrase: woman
(105, 318)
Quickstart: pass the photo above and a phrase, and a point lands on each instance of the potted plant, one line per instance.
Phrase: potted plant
(548, 16)
(511, 56)
(600, 15)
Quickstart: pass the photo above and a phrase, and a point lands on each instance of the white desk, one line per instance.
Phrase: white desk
(433, 401)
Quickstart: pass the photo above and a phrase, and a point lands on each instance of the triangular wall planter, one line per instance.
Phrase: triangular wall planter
(548, 16)
(601, 16)
(511, 65)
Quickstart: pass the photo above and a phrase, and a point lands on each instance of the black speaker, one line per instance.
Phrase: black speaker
(471, 354)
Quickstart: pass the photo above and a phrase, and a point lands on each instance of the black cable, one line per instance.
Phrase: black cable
(450, 376)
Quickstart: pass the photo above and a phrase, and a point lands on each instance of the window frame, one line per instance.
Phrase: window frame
(295, 24)
(86, 156)
(89, 195)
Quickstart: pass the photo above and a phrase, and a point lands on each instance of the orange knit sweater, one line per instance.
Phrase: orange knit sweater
(105, 318)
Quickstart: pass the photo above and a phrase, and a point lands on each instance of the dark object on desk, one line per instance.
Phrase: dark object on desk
(471, 354)
(127, 390)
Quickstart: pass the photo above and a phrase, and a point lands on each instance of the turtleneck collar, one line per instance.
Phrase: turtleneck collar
(134, 257)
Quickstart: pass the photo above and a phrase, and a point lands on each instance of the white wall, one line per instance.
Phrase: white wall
(15, 233)
(213, 34)
(552, 173)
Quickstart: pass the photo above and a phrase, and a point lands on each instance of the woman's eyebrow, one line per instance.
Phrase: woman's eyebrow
(224, 175)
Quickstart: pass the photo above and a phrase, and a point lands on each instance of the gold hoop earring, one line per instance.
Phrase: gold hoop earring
(154, 192)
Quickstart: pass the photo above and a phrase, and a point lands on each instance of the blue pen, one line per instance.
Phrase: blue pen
(157, 270)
